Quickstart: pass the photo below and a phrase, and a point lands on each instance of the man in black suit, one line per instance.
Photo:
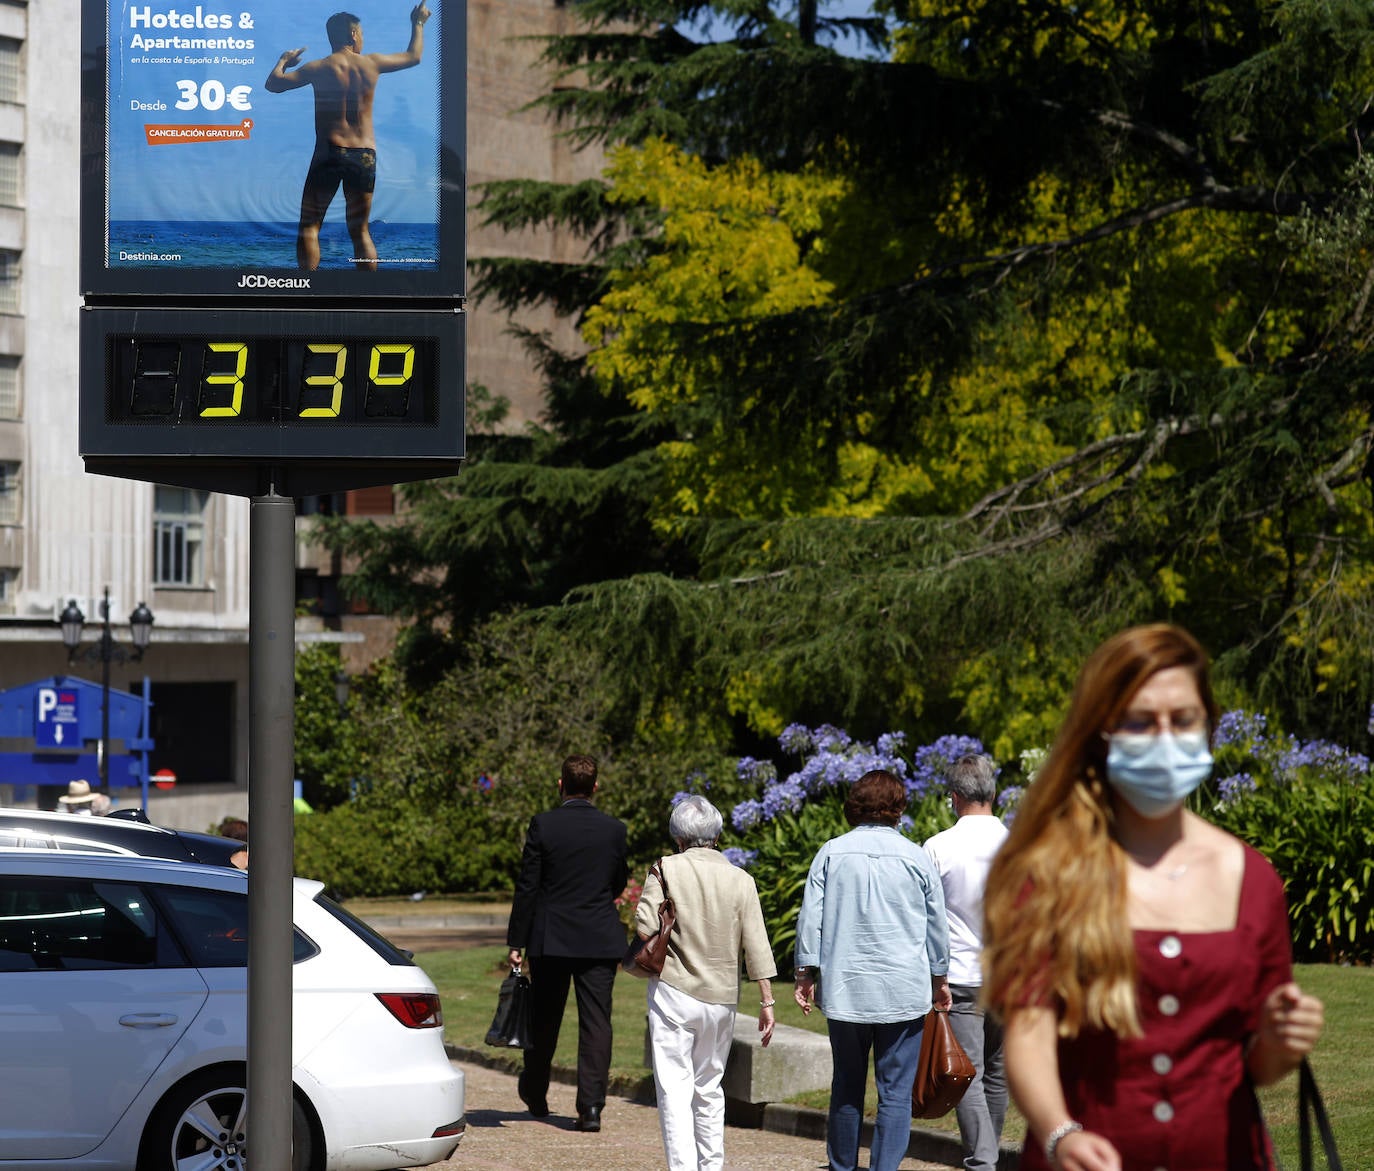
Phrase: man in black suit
(564, 916)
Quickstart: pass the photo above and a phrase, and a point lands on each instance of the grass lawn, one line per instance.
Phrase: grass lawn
(468, 981)
(1344, 1061)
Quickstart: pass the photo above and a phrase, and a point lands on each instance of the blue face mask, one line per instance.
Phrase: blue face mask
(1154, 773)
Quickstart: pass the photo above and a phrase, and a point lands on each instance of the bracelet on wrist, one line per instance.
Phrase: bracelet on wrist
(1057, 1136)
(767, 1003)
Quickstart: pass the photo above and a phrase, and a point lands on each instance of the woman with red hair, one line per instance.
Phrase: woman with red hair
(1139, 956)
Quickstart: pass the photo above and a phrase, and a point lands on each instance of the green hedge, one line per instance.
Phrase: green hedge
(1308, 806)
(374, 848)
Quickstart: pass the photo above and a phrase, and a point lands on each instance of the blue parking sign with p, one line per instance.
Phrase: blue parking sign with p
(57, 718)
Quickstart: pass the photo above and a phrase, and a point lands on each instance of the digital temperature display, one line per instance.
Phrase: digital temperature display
(231, 382)
(377, 396)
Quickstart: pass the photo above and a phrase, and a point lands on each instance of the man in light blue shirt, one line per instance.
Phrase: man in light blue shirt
(873, 925)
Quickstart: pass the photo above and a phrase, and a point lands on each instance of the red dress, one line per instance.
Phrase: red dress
(1179, 1098)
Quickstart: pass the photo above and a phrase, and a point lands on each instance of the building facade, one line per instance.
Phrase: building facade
(66, 535)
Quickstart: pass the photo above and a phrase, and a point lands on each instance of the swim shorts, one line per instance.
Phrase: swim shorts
(353, 166)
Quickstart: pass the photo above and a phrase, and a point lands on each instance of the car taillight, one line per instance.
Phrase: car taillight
(415, 1010)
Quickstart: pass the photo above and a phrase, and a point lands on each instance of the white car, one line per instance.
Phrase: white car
(123, 1014)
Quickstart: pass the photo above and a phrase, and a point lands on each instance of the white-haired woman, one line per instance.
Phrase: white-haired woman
(692, 1003)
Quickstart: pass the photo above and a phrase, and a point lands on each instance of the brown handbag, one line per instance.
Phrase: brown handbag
(644, 957)
(943, 1071)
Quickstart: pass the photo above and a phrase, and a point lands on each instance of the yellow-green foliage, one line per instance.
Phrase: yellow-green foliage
(1015, 696)
(732, 252)
(740, 243)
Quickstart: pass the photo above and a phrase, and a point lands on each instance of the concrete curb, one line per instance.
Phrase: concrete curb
(451, 921)
(935, 1146)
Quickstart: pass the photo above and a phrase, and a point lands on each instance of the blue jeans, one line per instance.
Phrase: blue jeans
(896, 1048)
(983, 1107)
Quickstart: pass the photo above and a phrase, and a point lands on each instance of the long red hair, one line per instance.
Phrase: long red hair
(1055, 924)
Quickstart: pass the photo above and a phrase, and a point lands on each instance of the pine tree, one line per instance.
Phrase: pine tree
(1092, 350)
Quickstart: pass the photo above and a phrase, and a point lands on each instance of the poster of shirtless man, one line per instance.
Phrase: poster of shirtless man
(277, 146)
(345, 83)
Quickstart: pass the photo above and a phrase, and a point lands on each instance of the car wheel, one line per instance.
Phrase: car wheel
(201, 1125)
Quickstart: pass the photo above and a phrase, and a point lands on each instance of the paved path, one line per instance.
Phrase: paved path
(502, 1136)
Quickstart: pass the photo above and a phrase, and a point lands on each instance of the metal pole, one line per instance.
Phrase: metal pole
(106, 653)
(146, 733)
(271, 732)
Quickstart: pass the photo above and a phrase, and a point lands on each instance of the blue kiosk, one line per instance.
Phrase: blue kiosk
(61, 716)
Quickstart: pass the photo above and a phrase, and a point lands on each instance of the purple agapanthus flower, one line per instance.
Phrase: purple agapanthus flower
(1320, 754)
(758, 772)
(1008, 802)
(830, 758)
(738, 857)
(1240, 727)
(796, 739)
(784, 797)
(930, 761)
(746, 815)
(1235, 786)
(890, 743)
(828, 738)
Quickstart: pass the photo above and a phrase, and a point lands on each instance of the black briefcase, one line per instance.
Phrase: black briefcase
(510, 1027)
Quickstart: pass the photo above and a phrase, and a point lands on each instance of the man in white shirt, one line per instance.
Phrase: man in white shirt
(962, 855)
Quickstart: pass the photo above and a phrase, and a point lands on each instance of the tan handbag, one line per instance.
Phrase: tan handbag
(943, 1071)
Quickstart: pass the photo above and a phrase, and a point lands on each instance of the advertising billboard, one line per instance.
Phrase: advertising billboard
(273, 148)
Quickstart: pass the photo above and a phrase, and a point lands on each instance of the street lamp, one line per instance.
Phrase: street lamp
(105, 651)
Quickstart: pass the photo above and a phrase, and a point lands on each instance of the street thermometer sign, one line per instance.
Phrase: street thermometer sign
(272, 245)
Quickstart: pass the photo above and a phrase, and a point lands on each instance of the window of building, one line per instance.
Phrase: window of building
(11, 187)
(10, 273)
(9, 388)
(9, 494)
(11, 70)
(9, 587)
(179, 536)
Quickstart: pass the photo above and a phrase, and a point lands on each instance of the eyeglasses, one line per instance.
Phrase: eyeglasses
(1136, 732)
(1180, 723)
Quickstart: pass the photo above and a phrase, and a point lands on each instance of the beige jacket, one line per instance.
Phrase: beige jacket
(718, 916)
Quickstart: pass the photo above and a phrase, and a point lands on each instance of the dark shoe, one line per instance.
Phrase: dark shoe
(539, 1106)
(588, 1119)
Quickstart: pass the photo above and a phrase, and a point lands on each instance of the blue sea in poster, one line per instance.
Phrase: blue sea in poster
(239, 245)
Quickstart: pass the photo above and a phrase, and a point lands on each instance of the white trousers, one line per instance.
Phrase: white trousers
(690, 1040)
